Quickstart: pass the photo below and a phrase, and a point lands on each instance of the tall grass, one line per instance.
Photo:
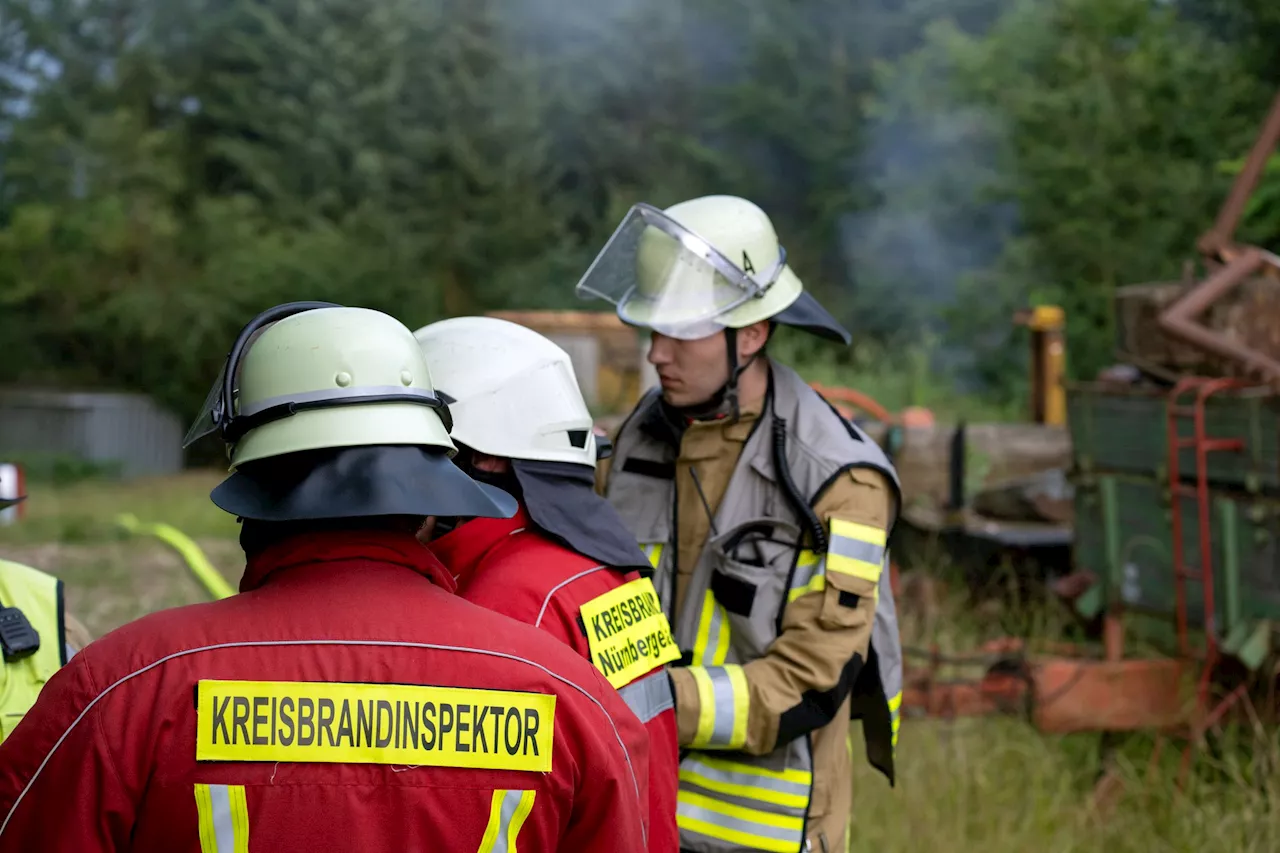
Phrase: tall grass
(996, 785)
(86, 510)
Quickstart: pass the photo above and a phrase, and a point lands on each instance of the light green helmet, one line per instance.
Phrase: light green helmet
(307, 376)
(700, 267)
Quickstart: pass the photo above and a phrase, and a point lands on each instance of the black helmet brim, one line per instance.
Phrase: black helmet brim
(358, 482)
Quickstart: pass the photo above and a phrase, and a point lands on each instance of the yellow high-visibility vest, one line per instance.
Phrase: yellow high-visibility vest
(39, 597)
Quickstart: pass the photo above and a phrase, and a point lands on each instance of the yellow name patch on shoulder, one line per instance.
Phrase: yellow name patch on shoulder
(627, 632)
(337, 723)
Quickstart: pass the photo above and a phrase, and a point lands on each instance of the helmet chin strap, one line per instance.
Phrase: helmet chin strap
(724, 402)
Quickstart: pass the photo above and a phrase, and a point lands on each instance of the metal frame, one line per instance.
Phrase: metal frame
(1220, 239)
(1203, 717)
(1180, 318)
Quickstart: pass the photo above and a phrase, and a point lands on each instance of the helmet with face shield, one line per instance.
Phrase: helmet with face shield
(329, 411)
(704, 266)
(700, 267)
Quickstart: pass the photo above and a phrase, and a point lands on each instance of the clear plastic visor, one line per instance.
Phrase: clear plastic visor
(212, 416)
(663, 277)
(206, 423)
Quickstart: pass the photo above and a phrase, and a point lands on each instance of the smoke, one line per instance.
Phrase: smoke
(935, 162)
(934, 173)
(929, 159)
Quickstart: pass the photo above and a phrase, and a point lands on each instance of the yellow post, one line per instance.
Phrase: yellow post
(1048, 363)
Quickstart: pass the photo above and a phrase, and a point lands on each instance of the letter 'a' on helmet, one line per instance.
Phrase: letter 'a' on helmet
(699, 267)
(511, 391)
(338, 404)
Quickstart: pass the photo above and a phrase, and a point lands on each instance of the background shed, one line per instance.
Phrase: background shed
(128, 433)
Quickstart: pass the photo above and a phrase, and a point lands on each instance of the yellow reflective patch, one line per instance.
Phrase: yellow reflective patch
(858, 568)
(741, 705)
(861, 532)
(735, 824)
(508, 811)
(627, 632)
(374, 724)
(712, 620)
(222, 817)
(856, 549)
(706, 705)
(816, 584)
(654, 553)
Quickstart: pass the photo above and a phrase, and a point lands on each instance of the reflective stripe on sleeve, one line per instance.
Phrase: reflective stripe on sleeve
(747, 827)
(507, 814)
(223, 818)
(810, 575)
(711, 644)
(649, 696)
(723, 705)
(856, 549)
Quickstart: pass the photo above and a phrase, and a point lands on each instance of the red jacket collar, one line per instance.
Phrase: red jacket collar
(465, 547)
(400, 549)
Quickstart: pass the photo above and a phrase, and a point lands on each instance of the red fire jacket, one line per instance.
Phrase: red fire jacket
(345, 700)
(508, 566)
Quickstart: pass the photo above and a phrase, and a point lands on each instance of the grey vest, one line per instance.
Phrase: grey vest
(754, 562)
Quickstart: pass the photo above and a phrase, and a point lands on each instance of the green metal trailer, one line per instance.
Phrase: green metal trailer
(1124, 513)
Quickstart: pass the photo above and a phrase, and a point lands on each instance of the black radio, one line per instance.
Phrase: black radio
(18, 639)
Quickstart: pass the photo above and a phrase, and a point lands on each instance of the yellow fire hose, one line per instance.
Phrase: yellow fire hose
(210, 578)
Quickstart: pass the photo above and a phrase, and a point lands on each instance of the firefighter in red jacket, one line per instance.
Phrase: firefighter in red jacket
(318, 710)
(565, 563)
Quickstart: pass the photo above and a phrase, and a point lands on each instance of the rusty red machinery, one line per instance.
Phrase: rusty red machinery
(1174, 530)
(1177, 534)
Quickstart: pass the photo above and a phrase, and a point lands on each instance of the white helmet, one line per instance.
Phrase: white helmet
(511, 392)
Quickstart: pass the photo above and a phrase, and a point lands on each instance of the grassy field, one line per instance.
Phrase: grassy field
(974, 786)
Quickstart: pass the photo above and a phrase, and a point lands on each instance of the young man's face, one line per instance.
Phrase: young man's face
(690, 371)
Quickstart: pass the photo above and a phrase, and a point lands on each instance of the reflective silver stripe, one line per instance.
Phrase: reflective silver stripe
(253, 644)
(220, 799)
(810, 575)
(547, 601)
(808, 565)
(223, 818)
(511, 808)
(856, 549)
(696, 813)
(649, 696)
(726, 703)
(716, 635)
(788, 789)
(220, 813)
(711, 645)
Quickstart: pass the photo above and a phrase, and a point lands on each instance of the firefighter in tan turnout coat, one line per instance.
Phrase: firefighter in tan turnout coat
(766, 518)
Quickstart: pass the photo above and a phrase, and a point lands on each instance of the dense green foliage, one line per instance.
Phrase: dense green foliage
(168, 167)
